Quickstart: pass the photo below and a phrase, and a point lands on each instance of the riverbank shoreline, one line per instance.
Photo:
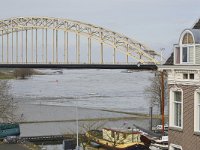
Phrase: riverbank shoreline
(53, 120)
(9, 73)
(131, 117)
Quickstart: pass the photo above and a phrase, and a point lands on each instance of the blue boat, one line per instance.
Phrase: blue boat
(9, 129)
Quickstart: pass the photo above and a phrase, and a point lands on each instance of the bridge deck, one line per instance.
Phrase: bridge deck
(82, 66)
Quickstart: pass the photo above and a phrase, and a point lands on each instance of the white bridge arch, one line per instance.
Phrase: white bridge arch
(11, 49)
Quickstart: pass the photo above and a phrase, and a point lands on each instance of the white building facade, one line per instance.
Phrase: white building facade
(184, 92)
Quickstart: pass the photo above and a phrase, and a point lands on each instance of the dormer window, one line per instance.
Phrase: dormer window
(187, 39)
(184, 53)
(187, 48)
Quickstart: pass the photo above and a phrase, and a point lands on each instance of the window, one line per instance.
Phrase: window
(188, 76)
(112, 134)
(188, 54)
(185, 76)
(124, 136)
(197, 111)
(117, 134)
(185, 54)
(187, 39)
(187, 47)
(176, 108)
(191, 75)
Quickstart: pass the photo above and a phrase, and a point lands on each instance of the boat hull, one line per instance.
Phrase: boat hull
(135, 147)
(111, 146)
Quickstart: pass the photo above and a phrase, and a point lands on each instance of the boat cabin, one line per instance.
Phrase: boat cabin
(121, 136)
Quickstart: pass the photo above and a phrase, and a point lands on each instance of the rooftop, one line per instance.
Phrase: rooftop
(197, 25)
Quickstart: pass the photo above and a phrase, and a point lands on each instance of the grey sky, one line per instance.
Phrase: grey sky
(156, 23)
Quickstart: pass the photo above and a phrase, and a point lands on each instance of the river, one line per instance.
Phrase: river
(46, 103)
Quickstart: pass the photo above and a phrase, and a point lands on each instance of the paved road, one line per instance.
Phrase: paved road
(12, 147)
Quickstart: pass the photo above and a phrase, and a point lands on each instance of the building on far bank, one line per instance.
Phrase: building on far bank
(183, 76)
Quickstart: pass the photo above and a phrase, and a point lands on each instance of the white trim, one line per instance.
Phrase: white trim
(179, 67)
(194, 54)
(172, 82)
(175, 74)
(196, 111)
(171, 107)
(175, 47)
(186, 45)
(172, 146)
(182, 35)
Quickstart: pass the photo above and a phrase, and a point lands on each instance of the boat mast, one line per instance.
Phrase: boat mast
(77, 146)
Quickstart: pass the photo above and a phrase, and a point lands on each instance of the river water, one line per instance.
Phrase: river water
(96, 93)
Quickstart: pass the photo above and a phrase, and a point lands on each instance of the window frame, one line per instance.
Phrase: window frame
(187, 53)
(197, 111)
(187, 45)
(187, 76)
(171, 110)
(187, 36)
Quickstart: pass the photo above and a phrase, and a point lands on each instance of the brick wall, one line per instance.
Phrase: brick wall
(186, 137)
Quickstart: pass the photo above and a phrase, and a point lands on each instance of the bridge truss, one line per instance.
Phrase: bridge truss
(44, 40)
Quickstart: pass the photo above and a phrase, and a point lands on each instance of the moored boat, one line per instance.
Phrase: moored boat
(9, 129)
(158, 141)
(119, 139)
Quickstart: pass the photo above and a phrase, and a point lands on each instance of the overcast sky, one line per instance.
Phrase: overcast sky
(156, 23)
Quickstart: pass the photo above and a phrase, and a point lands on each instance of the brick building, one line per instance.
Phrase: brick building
(184, 91)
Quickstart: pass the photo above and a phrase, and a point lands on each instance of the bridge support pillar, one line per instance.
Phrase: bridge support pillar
(46, 46)
(2, 48)
(7, 49)
(89, 50)
(66, 47)
(127, 50)
(78, 48)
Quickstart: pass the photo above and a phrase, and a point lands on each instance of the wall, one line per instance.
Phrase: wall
(186, 137)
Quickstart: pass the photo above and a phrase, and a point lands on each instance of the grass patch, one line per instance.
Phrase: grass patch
(6, 76)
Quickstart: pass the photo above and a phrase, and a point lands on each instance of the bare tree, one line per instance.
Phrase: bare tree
(87, 127)
(23, 73)
(7, 105)
(153, 92)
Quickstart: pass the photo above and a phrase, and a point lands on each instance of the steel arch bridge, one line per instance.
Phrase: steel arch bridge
(45, 40)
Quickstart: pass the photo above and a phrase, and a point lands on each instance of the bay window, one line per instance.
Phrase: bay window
(176, 108)
(197, 111)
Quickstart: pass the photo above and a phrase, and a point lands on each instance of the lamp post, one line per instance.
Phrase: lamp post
(77, 146)
(151, 121)
(163, 101)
